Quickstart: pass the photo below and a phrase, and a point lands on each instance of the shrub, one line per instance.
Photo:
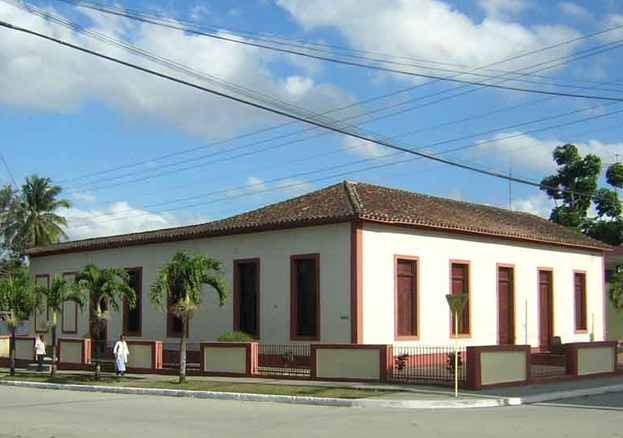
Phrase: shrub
(236, 337)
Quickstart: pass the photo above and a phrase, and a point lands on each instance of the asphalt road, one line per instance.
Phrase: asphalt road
(47, 413)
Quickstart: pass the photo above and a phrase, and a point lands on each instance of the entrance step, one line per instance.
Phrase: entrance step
(35, 367)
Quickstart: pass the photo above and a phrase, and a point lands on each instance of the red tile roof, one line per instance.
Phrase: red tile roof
(350, 201)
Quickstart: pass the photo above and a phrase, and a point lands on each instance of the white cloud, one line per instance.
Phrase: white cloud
(255, 184)
(614, 35)
(294, 187)
(515, 150)
(538, 204)
(84, 196)
(119, 218)
(575, 11)
(362, 148)
(431, 29)
(72, 78)
(503, 8)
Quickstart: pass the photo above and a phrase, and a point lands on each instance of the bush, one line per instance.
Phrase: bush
(236, 337)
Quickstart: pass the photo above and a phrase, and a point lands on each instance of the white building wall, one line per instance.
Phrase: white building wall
(436, 250)
(273, 249)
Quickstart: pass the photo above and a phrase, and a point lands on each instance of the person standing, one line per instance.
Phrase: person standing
(40, 352)
(121, 353)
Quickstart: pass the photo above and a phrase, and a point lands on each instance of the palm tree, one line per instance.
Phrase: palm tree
(107, 288)
(34, 221)
(57, 294)
(18, 299)
(179, 288)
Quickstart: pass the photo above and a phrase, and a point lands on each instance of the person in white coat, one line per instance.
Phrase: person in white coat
(121, 353)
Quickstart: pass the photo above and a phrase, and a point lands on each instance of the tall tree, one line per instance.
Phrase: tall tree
(31, 217)
(107, 289)
(179, 289)
(57, 294)
(575, 188)
(18, 299)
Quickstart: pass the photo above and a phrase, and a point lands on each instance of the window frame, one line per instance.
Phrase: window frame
(238, 296)
(468, 281)
(415, 297)
(64, 276)
(583, 300)
(294, 336)
(139, 303)
(47, 309)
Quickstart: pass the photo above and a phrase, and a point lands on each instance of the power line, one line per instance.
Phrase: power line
(317, 123)
(90, 33)
(8, 170)
(174, 24)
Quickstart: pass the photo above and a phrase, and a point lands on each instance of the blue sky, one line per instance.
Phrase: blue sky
(134, 152)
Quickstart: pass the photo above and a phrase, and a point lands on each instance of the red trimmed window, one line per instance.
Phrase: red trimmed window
(305, 297)
(406, 298)
(247, 296)
(175, 325)
(132, 318)
(460, 285)
(580, 300)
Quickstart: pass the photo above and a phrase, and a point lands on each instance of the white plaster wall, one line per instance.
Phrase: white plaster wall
(5, 343)
(140, 355)
(71, 352)
(435, 250)
(595, 360)
(225, 360)
(273, 249)
(502, 367)
(333, 363)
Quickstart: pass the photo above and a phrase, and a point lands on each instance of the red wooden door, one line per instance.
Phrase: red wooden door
(407, 301)
(506, 306)
(546, 306)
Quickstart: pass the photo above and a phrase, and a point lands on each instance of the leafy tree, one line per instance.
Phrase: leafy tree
(57, 294)
(615, 289)
(18, 299)
(575, 188)
(107, 288)
(179, 289)
(29, 217)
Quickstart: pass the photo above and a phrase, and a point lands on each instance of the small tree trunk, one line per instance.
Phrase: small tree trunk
(183, 351)
(98, 365)
(12, 349)
(53, 366)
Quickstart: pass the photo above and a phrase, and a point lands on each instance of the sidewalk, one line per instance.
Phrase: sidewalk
(405, 397)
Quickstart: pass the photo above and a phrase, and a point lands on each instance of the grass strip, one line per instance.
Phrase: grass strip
(167, 382)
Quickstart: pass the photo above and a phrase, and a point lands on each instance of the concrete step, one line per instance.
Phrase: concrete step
(35, 367)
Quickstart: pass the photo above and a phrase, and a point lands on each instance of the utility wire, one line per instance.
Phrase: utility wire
(21, 4)
(175, 24)
(315, 122)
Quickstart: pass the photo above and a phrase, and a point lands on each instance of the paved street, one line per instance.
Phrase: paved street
(46, 413)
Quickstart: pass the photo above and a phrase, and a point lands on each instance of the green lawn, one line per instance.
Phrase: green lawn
(201, 385)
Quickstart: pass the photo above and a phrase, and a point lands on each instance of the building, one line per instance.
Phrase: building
(357, 263)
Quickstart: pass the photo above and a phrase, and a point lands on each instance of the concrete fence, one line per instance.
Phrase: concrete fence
(591, 358)
(229, 358)
(497, 365)
(5, 343)
(73, 353)
(351, 362)
(145, 356)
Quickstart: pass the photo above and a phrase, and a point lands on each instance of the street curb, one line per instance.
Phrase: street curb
(561, 395)
(334, 402)
(287, 399)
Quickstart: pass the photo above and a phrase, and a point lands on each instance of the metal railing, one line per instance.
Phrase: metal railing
(171, 355)
(284, 359)
(547, 365)
(427, 363)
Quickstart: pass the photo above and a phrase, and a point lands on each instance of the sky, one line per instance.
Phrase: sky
(136, 152)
